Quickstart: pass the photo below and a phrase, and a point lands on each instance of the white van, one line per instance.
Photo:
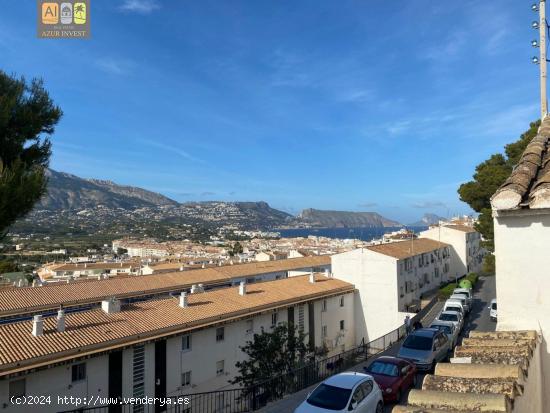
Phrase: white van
(462, 300)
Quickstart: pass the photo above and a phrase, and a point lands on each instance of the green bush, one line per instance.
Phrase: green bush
(472, 277)
(446, 291)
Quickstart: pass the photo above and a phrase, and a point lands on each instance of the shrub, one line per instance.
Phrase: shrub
(472, 277)
(446, 291)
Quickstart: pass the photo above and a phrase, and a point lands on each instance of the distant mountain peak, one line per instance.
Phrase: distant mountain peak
(343, 219)
(427, 220)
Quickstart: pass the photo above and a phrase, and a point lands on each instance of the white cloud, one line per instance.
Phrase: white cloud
(140, 6)
(170, 149)
(114, 66)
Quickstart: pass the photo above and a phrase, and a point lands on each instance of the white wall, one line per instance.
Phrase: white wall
(375, 276)
(522, 251)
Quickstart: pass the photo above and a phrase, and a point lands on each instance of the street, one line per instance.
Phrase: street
(478, 319)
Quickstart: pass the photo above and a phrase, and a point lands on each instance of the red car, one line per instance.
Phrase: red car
(394, 376)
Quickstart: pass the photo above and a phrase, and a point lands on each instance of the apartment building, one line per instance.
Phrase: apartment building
(391, 279)
(465, 242)
(165, 347)
(87, 269)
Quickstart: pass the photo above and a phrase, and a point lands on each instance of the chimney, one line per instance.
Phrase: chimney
(111, 305)
(193, 288)
(327, 273)
(61, 320)
(312, 277)
(37, 326)
(181, 268)
(242, 288)
(183, 300)
(201, 288)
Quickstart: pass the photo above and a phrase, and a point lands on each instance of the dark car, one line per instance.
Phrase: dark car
(393, 375)
(425, 347)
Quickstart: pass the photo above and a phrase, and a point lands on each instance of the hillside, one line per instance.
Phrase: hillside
(343, 219)
(66, 191)
(426, 220)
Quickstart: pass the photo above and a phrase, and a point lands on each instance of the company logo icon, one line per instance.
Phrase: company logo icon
(63, 19)
(80, 13)
(50, 13)
(66, 13)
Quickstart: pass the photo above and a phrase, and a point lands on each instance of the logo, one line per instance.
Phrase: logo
(80, 13)
(50, 13)
(63, 19)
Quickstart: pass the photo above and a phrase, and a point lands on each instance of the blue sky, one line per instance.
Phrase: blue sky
(353, 105)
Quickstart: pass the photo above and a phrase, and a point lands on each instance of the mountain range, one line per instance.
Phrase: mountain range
(89, 206)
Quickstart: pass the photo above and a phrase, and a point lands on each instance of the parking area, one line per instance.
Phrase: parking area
(478, 320)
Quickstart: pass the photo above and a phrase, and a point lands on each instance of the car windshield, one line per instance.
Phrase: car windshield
(448, 317)
(494, 306)
(418, 342)
(387, 369)
(451, 308)
(465, 295)
(329, 397)
(445, 329)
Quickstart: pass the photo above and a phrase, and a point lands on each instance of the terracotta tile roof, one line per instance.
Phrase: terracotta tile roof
(30, 299)
(488, 375)
(95, 331)
(463, 228)
(529, 184)
(94, 266)
(406, 249)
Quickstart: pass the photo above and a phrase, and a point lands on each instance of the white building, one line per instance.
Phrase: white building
(390, 280)
(166, 347)
(466, 251)
(521, 211)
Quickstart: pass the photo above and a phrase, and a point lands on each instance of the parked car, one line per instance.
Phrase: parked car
(462, 300)
(493, 309)
(454, 305)
(425, 347)
(467, 293)
(453, 316)
(394, 376)
(344, 392)
(449, 328)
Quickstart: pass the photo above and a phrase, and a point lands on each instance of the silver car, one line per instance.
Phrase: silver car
(449, 328)
(344, 392)
(425, 347)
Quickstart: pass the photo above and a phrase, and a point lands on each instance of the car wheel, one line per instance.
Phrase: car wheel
(379, 407)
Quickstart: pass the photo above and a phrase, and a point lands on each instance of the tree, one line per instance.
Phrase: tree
(237, 248)
(8, 266)
(27, 119)
(271, 353)
(489, 176)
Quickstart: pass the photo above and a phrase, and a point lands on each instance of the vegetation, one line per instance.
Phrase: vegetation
(26, 114)
(8, 266)
(447, 290)
(271, 353)
(489, 176)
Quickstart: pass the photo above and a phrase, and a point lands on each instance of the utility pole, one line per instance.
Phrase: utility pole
(542, 47)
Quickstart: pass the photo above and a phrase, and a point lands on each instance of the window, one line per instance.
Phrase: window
(341, 301)
(367, 387)
(220, 334)
(17, 388)
(408, 264)
(342, 325)
(324, 332)
(220, 367)
(249, 326)
(324, 307)
(436, 272)
(78, 372)
(358, 395)
(274, 318)
(401, 291)
(186, 379)
(186, 342)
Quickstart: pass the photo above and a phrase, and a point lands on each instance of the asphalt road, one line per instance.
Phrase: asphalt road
(477, 320)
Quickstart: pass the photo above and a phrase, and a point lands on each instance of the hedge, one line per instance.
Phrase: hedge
(447, 290)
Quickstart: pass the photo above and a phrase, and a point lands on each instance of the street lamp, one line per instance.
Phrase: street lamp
(534, 43)
(535, 7)
(535, 60)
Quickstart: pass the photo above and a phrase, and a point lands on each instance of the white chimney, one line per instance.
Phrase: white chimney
(61, 320)
(181, 268)
(183, 300)
(328, 274)
(242, 288)
(37, 326)
(193, 288)
(201, 288)
(312, 277)
(111, 305)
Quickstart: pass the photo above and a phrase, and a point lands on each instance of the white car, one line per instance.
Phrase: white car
(466, 293)
(344, 392)
(452, 316)
(462, 300)
(493, 309)
(454, 305)
(449, 328)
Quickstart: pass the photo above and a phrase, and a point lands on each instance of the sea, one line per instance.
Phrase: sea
(364, 234)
